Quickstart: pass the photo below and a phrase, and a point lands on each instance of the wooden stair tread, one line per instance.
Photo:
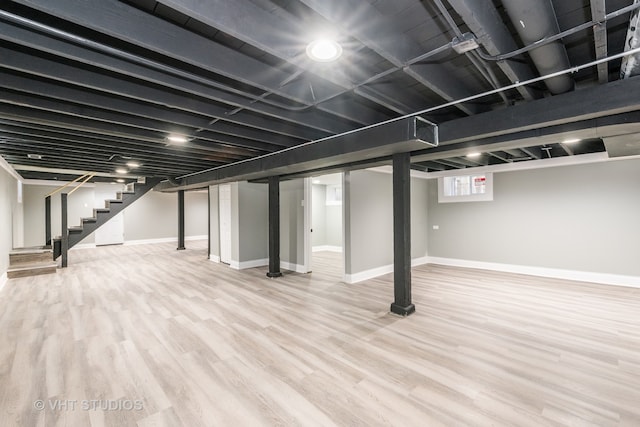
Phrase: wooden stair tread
(31, 264)
(29, 250)
(33, 269)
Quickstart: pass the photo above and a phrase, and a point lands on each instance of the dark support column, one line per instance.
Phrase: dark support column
(181, 220)
(47, 221)
(65, 230)
(208, 222)
(402, 235)
(274, 227)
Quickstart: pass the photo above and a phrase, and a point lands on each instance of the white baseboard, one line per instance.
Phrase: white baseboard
(163, 240)
(555, 273)
(326, 248)
(214, 258)
(3, 280)
(249, 264)
(84, 246)
(293, 267)
(379, 271)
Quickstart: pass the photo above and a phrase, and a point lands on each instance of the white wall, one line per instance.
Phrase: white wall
(152, 217)
(8, 210)
(79, 205)
(581, 218)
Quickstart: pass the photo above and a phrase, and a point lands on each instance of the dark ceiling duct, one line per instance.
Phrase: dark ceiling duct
(535, 20)
(631, 64)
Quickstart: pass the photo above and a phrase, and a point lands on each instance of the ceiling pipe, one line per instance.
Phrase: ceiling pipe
(484, 69)
(486, 24)
(630, 65)
(535, 20)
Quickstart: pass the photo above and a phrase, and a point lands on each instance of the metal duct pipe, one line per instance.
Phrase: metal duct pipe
(534, 20)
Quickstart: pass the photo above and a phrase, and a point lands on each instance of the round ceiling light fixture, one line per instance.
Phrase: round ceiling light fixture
(324, 50)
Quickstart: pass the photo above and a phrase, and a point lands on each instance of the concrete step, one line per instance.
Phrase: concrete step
(31, 269)
(34, 254)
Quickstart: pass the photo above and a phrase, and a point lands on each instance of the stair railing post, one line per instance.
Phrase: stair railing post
(47, 221)
(65, 229)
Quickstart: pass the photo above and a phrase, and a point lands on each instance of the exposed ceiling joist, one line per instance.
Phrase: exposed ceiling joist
(598, 12)
(374, 31)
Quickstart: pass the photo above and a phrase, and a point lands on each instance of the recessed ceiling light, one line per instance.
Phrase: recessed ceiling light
(571, 141)
(474, 154)
(121, 170)
(324, 50)
(133, 164)
(35, 156)
(178, 139)
(120, 180)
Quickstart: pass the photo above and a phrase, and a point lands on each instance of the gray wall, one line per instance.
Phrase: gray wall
(582, 218)
(333, 228)
(292, 221)
(214, 235)
(155, 216)
(326, 220)
(8, 207)
(369, 215)
(253, 221)
(318, 215)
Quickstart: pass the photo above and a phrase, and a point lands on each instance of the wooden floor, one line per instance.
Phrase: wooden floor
(190, 342)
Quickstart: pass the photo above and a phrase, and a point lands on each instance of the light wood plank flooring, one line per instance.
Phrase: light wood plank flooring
(200, 344)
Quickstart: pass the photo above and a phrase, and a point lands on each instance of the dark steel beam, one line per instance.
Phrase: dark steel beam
(65, 229)
(496, 129)
(180, 221)
(402, 304)
(274, 227)
(385, 140)
(613, 98)
(47, 221)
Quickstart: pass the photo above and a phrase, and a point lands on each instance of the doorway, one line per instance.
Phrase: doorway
(327, 241)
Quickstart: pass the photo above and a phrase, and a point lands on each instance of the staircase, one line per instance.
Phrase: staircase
(25, 262)
(102, 215)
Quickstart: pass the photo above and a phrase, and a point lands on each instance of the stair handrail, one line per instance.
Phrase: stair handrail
(90, 175)
(67, 184)
(47, 203)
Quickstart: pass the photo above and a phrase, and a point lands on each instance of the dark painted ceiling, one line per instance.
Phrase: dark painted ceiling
(89, 85)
